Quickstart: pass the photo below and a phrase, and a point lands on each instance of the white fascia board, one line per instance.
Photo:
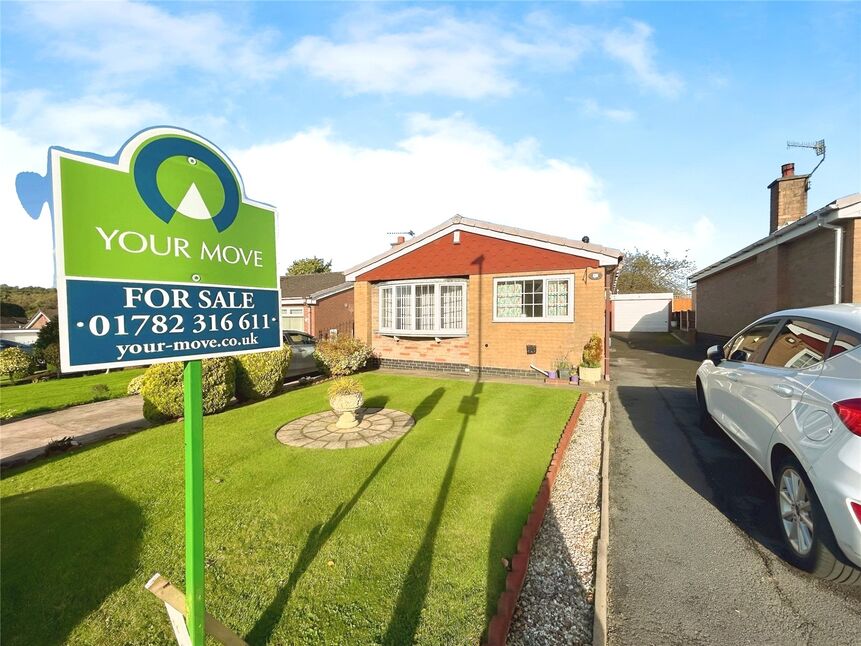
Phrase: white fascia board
(642, 297)
(293, 301)
(603, 259)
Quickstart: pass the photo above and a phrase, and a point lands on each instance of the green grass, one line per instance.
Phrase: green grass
(395, 543)
(26, 399)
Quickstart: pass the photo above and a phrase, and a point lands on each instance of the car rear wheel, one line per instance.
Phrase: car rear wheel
(807, 536)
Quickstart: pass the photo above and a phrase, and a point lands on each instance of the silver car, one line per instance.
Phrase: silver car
(787, 390)
(302, 362)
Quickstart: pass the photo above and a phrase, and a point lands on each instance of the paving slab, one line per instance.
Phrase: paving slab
(26, 439)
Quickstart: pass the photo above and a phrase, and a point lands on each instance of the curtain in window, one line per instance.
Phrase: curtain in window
(557, 298)
(386, 308)
(403, 307)
(425, 315)
(451, 304)
(509, 299)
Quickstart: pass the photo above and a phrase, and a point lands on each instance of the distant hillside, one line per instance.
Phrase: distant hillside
(31, 299)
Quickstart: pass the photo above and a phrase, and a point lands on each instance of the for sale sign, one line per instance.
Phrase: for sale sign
(160, 256)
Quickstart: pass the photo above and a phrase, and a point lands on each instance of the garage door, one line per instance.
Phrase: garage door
(641, 312)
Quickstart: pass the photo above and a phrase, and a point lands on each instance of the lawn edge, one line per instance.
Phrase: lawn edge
(497, 629)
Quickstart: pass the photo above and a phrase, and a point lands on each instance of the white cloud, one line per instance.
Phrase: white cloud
(634, 47)
(418, 51)
(338, 201)
(126, 42)
(592, 108)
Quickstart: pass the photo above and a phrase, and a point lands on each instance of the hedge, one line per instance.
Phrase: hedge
(162, 388)
(260, 375)
(343, 355)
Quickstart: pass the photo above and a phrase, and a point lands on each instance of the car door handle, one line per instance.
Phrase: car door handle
(782, 390)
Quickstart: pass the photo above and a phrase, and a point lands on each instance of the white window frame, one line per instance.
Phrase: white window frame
(536, 319)
(438, 331)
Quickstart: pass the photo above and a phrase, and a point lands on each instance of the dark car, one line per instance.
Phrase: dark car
(302, 362)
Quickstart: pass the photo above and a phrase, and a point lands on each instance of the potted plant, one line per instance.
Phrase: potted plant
(346, 396)
(590, 366)
(564, 369)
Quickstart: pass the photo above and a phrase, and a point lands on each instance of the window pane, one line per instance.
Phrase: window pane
(845, 340)
(799, 344)
(386, 308)
(557, 298)
(425, 319)
(451, 303)
(403, 307)
(509, 299)
(744, 346)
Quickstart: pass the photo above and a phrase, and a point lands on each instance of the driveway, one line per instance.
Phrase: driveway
(694, 551)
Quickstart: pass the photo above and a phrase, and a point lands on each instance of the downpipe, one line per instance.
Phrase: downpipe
(838, 259)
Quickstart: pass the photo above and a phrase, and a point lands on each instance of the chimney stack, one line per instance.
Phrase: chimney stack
(788, 198)
(399, 241)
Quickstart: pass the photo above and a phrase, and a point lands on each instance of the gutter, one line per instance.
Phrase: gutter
(838, 257)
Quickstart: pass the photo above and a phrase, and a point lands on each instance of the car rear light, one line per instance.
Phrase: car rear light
(849, 411)
(856, 509)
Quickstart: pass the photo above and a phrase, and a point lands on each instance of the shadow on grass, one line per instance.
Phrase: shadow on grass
(64, 551)
(504, 534)
(261, 632)
(414, 588)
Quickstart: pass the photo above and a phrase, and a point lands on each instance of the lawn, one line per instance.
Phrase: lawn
(395, 543)
(26, 399)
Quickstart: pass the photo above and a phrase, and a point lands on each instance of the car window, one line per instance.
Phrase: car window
(744, 346)
(844, 341)
(799, 344)
(308, 339)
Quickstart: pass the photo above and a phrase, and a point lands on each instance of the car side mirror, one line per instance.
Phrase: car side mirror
(715, 354)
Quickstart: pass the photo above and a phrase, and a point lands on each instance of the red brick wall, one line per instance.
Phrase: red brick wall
(493, 344)
(475, 254)
(334, 312)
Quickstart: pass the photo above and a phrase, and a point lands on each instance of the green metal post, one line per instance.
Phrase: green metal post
(194, 601)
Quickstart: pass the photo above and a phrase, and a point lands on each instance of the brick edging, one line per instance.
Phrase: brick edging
(497, 629)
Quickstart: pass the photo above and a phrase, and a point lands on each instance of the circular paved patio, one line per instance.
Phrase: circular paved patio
(318, 431)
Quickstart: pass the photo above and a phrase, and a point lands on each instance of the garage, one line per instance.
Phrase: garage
(641, 312)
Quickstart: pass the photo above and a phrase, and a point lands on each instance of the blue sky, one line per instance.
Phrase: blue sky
(655, 125)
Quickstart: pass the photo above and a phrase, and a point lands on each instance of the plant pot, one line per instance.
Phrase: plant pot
(589, 375)
(346, 406)
(575, 379)
(565, 374)
(552, 374)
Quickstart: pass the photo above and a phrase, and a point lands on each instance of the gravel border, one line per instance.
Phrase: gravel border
(556, 603)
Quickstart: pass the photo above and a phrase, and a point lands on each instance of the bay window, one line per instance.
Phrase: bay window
(533, 299)
(423, 308)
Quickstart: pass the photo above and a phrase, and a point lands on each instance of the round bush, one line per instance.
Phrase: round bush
(51, 354)
(261, 374)
(342, 355)
(14, 362)
(162, 388)
(135, 385)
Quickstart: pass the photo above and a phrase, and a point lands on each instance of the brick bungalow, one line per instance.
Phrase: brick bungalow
(23, 330)
(317, 304)
(470, 295)
(806, 259)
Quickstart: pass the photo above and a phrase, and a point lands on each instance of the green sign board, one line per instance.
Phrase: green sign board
(160, 256)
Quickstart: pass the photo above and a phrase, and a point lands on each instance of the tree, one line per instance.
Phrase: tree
(644, 272)
(14, 361)
(48, 334)
(309, 266)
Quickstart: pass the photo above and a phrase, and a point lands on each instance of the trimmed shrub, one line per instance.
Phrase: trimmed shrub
(162, 388)
(51, 354)
(261, 374)
(593, 352)
(13, 362)
(136, 384)
(342, 355)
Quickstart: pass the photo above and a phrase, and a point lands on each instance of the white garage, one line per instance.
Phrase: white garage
(641, 312)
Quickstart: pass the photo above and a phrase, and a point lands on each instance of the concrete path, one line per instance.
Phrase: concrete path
(694, 550)
(27, 438)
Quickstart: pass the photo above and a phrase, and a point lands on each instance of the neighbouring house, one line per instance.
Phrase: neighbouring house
(318, 304)
(470, 296)
(806, 259)
(22, 330)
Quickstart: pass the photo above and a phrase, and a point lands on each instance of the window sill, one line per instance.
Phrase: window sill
(407, 334)
(533, 320)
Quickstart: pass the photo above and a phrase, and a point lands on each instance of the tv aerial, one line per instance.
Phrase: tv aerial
(816, 146)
